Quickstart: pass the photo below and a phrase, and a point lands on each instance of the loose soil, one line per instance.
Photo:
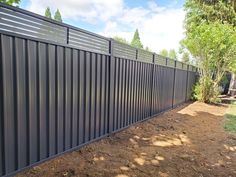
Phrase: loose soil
(187, 141)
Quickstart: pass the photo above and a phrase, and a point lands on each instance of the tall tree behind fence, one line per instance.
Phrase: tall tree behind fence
(63, 87)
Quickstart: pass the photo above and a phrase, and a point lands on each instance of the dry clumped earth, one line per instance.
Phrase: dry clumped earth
(188, 141)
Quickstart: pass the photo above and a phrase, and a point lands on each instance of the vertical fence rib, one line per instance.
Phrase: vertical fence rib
(173, 94)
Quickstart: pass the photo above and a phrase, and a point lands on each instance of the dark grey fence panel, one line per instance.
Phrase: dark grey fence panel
(21, 101)
(180, 87)
(9, 100)
(53, 99)
(163, 80)
(132, 86)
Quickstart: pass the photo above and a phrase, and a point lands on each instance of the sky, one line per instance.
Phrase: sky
(159, 22)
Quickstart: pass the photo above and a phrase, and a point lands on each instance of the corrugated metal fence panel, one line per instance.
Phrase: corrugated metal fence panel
(163, 80)
(124, 51)
(145, 56)
(88, 41)
(180, 87)
(2, 160)
(55, 98)
(132, 93)
(19, 23)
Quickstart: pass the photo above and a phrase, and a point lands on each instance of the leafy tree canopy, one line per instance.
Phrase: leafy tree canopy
(120, 39)
(211, 39)
(218, 17)
(57, 16)
(136, 41)
(208, 11)
(164, 53)
(185, 57)
(11, 2)
(172, 54)
(48, 13)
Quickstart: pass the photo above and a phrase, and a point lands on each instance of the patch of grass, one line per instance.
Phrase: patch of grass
(230, 118)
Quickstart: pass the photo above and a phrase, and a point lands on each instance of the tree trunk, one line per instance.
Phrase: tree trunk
(232, 85)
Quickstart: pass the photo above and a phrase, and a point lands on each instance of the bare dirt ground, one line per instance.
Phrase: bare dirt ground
(187, 141)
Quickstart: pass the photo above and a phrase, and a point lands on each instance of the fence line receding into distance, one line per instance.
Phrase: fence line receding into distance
(63, 87)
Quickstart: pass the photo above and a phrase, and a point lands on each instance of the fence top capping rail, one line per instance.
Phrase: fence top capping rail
(153, 53)
(25, 12)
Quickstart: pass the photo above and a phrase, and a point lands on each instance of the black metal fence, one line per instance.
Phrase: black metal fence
(63, 87)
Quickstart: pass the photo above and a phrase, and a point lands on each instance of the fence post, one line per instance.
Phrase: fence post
(111, 87)
(173, 95)
(152, 81)
(186, 95)
(67, 35)
(136, 54)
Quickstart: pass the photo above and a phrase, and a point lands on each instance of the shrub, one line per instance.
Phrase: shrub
(206, 91)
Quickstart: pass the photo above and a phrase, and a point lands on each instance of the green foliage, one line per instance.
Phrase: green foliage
(136, 41)
(196, 92)
(164, 53)
(11, 2)
(48, 13)
(211, 39)
(214, 45)
(205, 11)
(120, 39)
(172, 54)
(206, 91)
(57, 16)
(185, 57)
(230, 119)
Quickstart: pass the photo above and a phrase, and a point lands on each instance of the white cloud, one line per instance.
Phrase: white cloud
(89, 10)
(159, 27)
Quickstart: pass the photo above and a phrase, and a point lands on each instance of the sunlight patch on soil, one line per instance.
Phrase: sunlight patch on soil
(230, 148)
(133, 141)
(164, 141)
(121, 175)
(124, 168)
(99, 158)
(136, 137)
(163, 174)
(155, 162)
(139, 161)
(187, 111)
(143, 154)
(159, 158)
